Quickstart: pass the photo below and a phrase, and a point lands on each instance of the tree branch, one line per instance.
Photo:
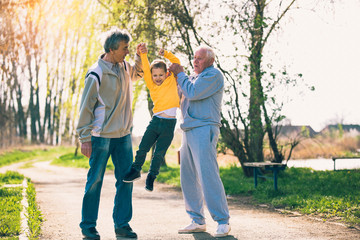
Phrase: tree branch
(277, 22)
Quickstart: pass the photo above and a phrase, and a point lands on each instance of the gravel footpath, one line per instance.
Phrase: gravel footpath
(159, 214)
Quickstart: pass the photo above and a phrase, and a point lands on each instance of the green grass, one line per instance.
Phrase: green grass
(10, 238)
(11, 177)
(10, 205)
(327, 194)
(169, 174)
(16, 156)
(34, 215)
(79, 161)
(39, 154)
(235, 182)
(10, 208)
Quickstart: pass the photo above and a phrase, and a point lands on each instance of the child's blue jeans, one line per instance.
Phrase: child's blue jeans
(161, 132)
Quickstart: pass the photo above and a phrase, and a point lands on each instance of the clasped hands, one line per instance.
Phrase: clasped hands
(174, 67)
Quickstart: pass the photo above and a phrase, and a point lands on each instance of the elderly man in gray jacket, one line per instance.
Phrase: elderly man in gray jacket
(201, 107)
(104, 130)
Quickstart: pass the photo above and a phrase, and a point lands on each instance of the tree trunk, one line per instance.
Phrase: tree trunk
(256, 132)
(232, 141)
(20, 114)
(31, 109)
(37, 113)
(272, 141)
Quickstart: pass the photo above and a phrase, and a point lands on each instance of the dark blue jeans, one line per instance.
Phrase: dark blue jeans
(121, 153)
(161, 132)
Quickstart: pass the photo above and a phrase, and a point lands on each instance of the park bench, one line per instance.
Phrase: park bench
(258, 166)
(336, 158)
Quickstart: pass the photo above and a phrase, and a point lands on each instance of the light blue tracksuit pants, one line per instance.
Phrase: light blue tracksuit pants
(200, 179)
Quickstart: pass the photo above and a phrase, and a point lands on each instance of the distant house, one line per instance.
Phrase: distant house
(290, 130)
(353, 129)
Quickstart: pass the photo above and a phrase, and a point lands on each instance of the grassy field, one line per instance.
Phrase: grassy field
(39, 153)
(329, 195)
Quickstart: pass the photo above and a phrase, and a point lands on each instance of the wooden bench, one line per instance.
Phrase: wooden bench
(274, 167)
(335, 158)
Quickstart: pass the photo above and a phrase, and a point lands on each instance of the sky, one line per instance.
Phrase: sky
(325, 47)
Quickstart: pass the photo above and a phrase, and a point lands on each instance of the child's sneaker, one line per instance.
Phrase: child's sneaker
(150, 182)
(132, 175)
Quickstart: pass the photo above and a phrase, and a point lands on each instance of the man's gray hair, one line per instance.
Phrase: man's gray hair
(209, 51)
(113, 38)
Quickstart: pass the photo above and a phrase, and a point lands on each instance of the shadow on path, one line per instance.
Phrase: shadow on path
(206, 236)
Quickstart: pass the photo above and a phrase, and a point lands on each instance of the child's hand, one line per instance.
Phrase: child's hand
(138, 48)
(161, 52)
(143, 48)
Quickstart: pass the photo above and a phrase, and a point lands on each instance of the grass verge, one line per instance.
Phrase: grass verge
(34, 215)
(10, 205)
(10, 208)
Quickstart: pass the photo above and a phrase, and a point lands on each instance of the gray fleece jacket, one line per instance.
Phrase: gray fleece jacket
(105, 108)
(201, 98)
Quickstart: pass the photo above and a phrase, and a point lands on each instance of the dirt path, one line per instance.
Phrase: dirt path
(159, 214)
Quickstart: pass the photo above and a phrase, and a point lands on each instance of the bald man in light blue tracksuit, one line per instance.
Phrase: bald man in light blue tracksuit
(200, 107)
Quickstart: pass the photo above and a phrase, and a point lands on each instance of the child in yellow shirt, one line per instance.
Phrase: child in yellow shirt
(164, 94)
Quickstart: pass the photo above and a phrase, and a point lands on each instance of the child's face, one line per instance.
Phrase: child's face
(158, 76)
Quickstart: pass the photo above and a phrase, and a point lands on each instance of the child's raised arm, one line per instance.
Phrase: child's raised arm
(169, 55)
(146, 65)
(143, 48)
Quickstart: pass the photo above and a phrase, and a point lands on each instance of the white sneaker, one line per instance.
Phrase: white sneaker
(222, 230)
(193, 227)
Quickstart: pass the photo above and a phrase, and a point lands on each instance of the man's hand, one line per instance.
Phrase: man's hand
(176, 68)
(86, 149)
(161, 52)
